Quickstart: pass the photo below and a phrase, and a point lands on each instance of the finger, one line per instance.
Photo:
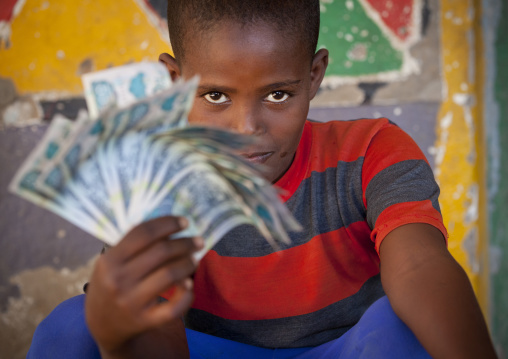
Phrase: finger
(158, 254)
(161, 280)
(145, 234)
(174, 308)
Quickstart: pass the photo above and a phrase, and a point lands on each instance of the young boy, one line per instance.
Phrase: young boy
(362, 190)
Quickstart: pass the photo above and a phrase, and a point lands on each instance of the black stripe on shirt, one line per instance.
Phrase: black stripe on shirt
(292, 332)
(324, 202)
(406, 181)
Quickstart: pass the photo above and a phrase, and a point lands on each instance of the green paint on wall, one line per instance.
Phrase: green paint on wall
(499, 204)
(356, 44)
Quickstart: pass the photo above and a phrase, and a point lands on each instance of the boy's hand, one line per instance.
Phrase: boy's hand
(122, 298)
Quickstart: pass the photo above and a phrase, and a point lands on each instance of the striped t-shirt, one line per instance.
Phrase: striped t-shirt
(349, 185)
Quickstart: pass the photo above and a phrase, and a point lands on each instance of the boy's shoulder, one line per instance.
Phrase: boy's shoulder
(351, 137)
(357, 127)
(358, 141)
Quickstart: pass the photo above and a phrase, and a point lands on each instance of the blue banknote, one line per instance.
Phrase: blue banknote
(135, 157)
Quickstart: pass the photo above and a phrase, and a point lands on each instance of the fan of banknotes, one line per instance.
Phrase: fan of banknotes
(134, 157)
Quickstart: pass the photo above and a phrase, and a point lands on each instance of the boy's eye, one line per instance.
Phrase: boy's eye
(277, 96)
(215, 97)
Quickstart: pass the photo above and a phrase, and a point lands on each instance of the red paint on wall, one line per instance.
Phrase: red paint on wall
(6, 9)
(396, 15)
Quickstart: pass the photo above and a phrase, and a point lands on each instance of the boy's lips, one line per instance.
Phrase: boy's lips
(257, 157)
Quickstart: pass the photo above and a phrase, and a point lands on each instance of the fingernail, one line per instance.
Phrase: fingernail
(198, 242)
(183, 222)
(187, 283)
(195, 261)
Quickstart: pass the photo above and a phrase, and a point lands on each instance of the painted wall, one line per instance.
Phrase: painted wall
(428, 65)
(496, 120)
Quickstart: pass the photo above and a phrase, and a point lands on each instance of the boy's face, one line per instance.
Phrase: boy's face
(253, 81)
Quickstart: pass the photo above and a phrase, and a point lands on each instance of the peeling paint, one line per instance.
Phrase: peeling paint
(472, 205)
(439, 150)
(459, 146)
(411, 33)
(358, 52)
(467, 101)
(496, 255)
(25, 111)
(153, 17)
(470, 246)
(11, 9)
(41, 289)
(389, 33)
(492, 113)
(8, 92)
(471, 73)
(458, 193)
(349, 95)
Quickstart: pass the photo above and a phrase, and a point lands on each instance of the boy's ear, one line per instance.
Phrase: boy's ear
(171, 64)
(317, 71)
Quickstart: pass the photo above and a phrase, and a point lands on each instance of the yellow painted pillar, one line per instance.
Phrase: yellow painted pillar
(460, 147)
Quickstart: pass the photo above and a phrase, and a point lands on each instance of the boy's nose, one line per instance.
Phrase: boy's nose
(246, 120)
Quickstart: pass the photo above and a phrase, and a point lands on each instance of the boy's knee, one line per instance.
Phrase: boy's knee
(380, 333)
(64, 334)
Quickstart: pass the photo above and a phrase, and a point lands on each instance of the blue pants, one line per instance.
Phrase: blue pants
(378, 334)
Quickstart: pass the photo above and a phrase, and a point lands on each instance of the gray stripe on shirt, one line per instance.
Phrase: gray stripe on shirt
(406, 181)
(341, 189)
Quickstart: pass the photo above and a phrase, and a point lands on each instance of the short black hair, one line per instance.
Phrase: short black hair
(296, 18)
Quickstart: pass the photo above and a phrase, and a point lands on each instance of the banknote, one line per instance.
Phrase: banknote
(207, 200)
(123, 85)
(137, 158)
(66, 205)
(154, 115)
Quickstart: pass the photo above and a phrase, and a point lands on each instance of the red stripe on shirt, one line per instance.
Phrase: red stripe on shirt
(290, 181)
(252, 288)
(398, 214)
(342, 144)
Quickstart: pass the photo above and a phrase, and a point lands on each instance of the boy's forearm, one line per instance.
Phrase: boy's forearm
(442, 312)
(431, 293)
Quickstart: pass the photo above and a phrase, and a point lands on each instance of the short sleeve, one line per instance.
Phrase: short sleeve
(398, 185)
